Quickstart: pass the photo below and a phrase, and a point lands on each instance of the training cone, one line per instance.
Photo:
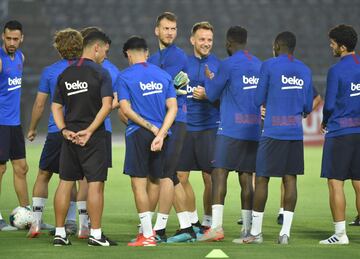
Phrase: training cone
(216, 253)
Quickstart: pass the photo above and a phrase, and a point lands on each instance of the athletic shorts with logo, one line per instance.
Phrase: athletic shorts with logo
(235, 154)
(140, 161)
(89, 161)
(12, 143)
(277, 158)
(198, 151)
(341, 157)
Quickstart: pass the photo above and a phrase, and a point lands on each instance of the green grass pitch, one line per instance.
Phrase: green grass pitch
(312, 220)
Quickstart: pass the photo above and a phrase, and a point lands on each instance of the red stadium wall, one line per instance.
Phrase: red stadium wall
(311, 125)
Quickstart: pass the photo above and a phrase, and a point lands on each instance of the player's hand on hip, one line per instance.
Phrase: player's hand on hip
(31, 135)
(323, 128)
(82, 137)
(208, 72)
(157, 144)
(199, 93)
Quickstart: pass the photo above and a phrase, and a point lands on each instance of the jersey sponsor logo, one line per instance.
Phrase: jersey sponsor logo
(78, 87)
(190, 90)
(250, 82)
(355, 88)
(14, 83)
(151, 88)
(291, 83)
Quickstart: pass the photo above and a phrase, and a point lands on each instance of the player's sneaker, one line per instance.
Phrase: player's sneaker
(103, 241)
(244, 234)
(34, 230)
(143, 241)
(283, 240)
(280, 219)
(83, 232)
(335, 240)
(183, 235)
(160, 238)
(61, 241)
(356, 221)
(258, 239)
(240, 221)
(212, 234)
(6, 227)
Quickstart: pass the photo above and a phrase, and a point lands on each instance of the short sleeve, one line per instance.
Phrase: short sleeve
(58, 94)
(44, 82)
(122, 89)
(106, 85)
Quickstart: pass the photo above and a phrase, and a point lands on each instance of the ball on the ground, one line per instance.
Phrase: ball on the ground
(21, 218)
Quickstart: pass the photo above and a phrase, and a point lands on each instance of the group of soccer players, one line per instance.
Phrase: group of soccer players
(183, 113)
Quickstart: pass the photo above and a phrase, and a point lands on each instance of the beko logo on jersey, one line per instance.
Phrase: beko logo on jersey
(14, 82)
(291, 82)
(152, 87)
(251, 82)
(190, 90)
(355, 87)
(78, 86)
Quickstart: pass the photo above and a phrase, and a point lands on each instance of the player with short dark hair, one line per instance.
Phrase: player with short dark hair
(285, 89)
(68, 43)
(341, 125)
(84, 88)
(148, 100)
(237, 138)
(12, 143)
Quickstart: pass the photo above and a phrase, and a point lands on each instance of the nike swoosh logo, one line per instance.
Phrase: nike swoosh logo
(106, 243)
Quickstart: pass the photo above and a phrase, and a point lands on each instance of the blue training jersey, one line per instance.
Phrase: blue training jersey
(146, 87)
(235, 84)
(10, 88)
(341, 112)
(48, 83)
(286, 89)
(173, 60)
(201, 114)
(113, 71)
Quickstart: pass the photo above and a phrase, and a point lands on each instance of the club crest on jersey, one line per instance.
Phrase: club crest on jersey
(151, 88)
(355, 89)
(250, 82)
(291, 83)
(77, 87)
(14, 83)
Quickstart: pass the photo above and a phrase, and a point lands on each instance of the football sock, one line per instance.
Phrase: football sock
(246, 217)
(38, 205)
(340, 228)
(71, 215)
(145, 219)
(1, 216)
(217, 218)
(184, 219)
(288, 217)
(281, 211)
(193, 217)
(60, 232)
(83, 215)
(161, 221)
(257, 219)
(207, 219)
(96, 233)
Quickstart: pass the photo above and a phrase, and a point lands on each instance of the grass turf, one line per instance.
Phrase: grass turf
(312, 220)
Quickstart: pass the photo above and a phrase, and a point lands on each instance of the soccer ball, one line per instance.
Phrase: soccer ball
(21, 218)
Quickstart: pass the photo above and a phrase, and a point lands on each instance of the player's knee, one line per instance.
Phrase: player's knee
(183, 178)
(2, 169)
(44, 176)
(21, 170)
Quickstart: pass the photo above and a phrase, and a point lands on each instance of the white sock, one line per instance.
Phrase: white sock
(83, 215)
(281, 211)
(161, 220)
(184, 219)
(60, 232)
(340, 228)
(286, 226)
(246, 217)
(96, 233)
(193, 217)
(151, 216)
(1, 216)
(217, 218)
(207, 219)
(257, 219)
(71, 215)
(145, 219)
(38, 205)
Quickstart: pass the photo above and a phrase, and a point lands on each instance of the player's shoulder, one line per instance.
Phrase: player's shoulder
(109, 65)
(158, 71)
(213, 58)
(179, 52)
(302, 65)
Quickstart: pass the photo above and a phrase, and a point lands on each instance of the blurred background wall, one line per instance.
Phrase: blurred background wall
(310, 20)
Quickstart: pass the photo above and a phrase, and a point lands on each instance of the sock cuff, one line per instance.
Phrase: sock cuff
(142, 214)
(217, 206)
(256, 213)
(81, 205)
(39, 201)
(162, 215)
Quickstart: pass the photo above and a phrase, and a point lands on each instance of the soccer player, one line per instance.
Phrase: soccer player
(68, 43)
(341, 125)
(239, 130)
(12, 144)
(285, 89)
(84, 89)
(173, 60)
(148, 99)
(202, 121)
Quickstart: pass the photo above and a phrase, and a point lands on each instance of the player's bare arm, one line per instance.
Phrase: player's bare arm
(37, 111)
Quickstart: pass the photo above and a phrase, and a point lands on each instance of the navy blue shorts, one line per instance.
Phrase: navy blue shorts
(89, 161)
(235, 154)
(198, 151)
(12, 143)
(279, 157)
(50, 155)
(173, 151)
(140, 161)
(108, 148)
(341, 157)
